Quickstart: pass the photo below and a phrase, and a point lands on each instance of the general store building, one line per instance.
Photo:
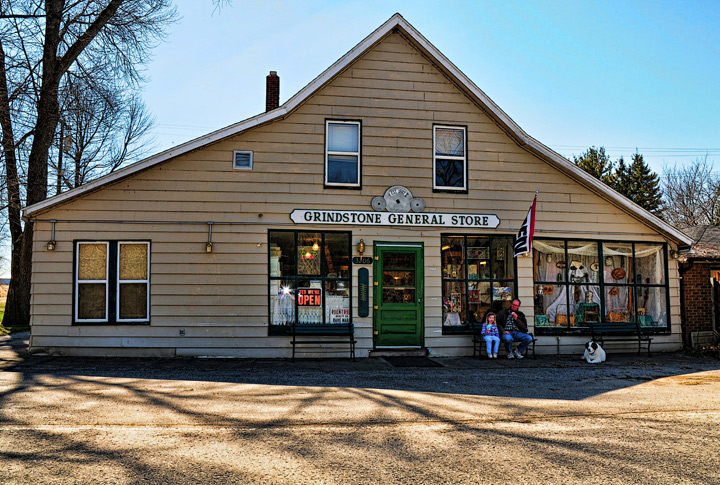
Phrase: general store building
(387, 193)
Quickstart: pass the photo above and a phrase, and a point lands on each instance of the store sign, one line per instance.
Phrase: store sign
(404, 219)
(309, 297)
(339, 315)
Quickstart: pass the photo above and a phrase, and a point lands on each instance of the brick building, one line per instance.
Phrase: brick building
(700, 285)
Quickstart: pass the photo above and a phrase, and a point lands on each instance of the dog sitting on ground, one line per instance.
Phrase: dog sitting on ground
(594, 354)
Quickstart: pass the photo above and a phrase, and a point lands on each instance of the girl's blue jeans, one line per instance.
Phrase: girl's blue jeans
(492, 341)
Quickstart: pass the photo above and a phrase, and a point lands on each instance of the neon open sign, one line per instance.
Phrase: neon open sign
(309, 297)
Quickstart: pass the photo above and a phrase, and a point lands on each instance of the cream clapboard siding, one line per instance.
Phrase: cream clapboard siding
(221, 299)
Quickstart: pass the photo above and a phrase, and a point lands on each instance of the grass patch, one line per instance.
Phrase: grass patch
(8, 330)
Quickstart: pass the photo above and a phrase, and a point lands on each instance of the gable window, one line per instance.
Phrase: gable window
(342, 153)
(112, 282)
(450, 158)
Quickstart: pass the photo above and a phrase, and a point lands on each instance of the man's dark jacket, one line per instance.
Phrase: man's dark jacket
(520, 321)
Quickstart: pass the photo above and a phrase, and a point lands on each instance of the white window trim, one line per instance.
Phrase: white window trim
(235, 152)
(146, 281)
(78, 281)
(329, 152)
(464, 188)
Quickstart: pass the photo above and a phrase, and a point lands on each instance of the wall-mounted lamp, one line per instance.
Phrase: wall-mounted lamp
(51, 242)
(673, 254)
(361, 247)
(209, 244)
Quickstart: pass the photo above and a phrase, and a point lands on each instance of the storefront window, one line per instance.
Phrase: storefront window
(309, 278)
(577, 282)
(478, 276)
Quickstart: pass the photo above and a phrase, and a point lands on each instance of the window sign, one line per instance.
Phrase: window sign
(309, 297)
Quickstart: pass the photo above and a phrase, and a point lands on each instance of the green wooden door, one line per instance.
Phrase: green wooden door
(399, 297)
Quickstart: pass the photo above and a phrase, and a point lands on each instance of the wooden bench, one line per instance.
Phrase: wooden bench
(479, 342)
(307, 333)
(620, 332)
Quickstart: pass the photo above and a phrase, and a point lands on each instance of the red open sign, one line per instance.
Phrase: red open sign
(309, 297)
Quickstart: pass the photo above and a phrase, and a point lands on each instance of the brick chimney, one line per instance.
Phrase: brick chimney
(272, 91)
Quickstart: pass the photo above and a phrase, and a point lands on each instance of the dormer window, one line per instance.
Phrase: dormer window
(342, 153)
(450, 158)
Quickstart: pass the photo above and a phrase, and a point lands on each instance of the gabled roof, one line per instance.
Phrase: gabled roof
(441, 62)
(706, 243)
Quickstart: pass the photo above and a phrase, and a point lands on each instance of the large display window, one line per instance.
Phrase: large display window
(309, 278)
(478, 276)
(579, 282)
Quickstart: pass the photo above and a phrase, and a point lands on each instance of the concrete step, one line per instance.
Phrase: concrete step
(399, 352)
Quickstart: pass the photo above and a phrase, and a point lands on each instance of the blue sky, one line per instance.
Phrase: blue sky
(572, 74)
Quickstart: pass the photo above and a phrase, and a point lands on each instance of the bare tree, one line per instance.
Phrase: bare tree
(691, 194)
(43, 44)
(103, 129)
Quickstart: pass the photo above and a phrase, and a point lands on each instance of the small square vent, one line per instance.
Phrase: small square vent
(243, 159)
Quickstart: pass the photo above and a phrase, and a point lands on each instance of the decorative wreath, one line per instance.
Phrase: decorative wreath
(618, 273)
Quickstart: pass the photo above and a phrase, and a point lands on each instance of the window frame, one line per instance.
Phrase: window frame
(464, 329)
(112, 264)
(119, 281)
(273, 329)
(78, 282)
(328, 152)
(602, 284)
(464, 159)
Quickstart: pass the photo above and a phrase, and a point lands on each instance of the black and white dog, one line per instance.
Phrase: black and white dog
(594, 354)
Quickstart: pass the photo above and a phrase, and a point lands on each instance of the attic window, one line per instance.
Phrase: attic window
(449, 158)
(243, 159)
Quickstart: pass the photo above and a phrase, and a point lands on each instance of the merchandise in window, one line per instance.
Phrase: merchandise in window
(580, 282)
(449, 158)
(124, 263)
(342, 153)
(309, 278)
(478, 276)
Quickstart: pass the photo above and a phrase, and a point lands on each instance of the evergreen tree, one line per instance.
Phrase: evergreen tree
(644, 186)
(622, 179)
(597, 163)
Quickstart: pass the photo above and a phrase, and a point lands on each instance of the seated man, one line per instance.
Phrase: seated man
(513, 327)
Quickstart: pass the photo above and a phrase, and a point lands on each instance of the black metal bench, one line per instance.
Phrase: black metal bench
(620, 332)
(479, 341)
(307, 333)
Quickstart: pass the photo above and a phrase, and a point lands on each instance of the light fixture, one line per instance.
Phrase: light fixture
(308, 255)
(445, 248)
(673, 253)
(209, 244)
(315, 247)
(51, 242)
(361, 247)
